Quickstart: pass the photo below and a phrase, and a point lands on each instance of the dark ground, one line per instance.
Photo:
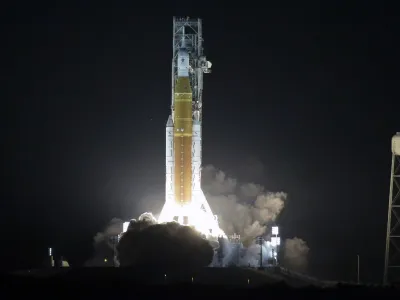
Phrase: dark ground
(150, 283)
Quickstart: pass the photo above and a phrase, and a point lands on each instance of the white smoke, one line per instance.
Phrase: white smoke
(295, 254)
(245, 209)
(115, 227)
(103, 244)
(148, 217)
(252, 255)
(237, 254)
(112, 229)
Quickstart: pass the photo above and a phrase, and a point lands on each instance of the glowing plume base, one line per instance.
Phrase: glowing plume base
(197, 214)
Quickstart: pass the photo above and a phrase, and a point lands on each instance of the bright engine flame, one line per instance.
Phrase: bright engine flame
(191, 214)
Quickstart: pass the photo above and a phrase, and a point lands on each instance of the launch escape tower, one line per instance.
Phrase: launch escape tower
(392, 253)
(190, 30)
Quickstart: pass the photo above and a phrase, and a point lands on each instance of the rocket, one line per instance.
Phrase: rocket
(183, 131)
(181, 151)
(185, 202)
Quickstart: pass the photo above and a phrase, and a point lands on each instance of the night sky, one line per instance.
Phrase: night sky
(306, 94)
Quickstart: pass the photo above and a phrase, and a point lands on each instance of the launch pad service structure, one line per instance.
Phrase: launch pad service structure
(392, 253)
(185, 202)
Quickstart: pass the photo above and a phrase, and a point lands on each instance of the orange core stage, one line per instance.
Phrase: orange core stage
(183, 140)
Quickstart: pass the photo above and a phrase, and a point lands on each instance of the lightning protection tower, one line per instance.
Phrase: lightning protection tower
(190, 30)
(392, 253)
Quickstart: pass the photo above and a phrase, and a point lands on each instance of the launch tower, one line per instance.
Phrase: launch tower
(392, 254)
(184, 200)
(190, 31)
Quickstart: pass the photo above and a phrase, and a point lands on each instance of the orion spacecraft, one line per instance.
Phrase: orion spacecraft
(185, 202)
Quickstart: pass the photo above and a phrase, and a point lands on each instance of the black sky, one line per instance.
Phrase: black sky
(308, 91)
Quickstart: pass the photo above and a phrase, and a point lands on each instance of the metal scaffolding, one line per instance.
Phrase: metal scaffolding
(191, 31)
(392, 253)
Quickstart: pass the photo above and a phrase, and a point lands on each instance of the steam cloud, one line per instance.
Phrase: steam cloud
(165, 246)
(295, 254)
(113, 228)
(245, 209)
(103, 246)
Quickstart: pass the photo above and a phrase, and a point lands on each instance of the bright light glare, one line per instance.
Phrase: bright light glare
(203, 222)
(275, 241)
(50, 251)
(125, 226)
(275, 230)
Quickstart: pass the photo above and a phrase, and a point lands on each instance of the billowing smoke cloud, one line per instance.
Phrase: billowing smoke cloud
(245, 209)
(112, 229)
(164, 246)
(145, 218)
(295, 254)
(104, 245)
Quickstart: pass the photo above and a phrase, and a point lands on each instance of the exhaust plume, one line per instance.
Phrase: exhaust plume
(245, 209)
(295, 254)
(112, 229)
(103, 244)
(164, 246)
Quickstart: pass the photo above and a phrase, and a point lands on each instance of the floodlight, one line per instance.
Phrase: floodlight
(275, 230)
(275, 241)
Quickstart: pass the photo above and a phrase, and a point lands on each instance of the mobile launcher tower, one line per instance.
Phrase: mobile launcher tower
(392, 253)
(185, 202)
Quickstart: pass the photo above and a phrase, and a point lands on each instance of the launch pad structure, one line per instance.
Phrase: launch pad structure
(190, 30)
(185, 202)
(392, 251)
